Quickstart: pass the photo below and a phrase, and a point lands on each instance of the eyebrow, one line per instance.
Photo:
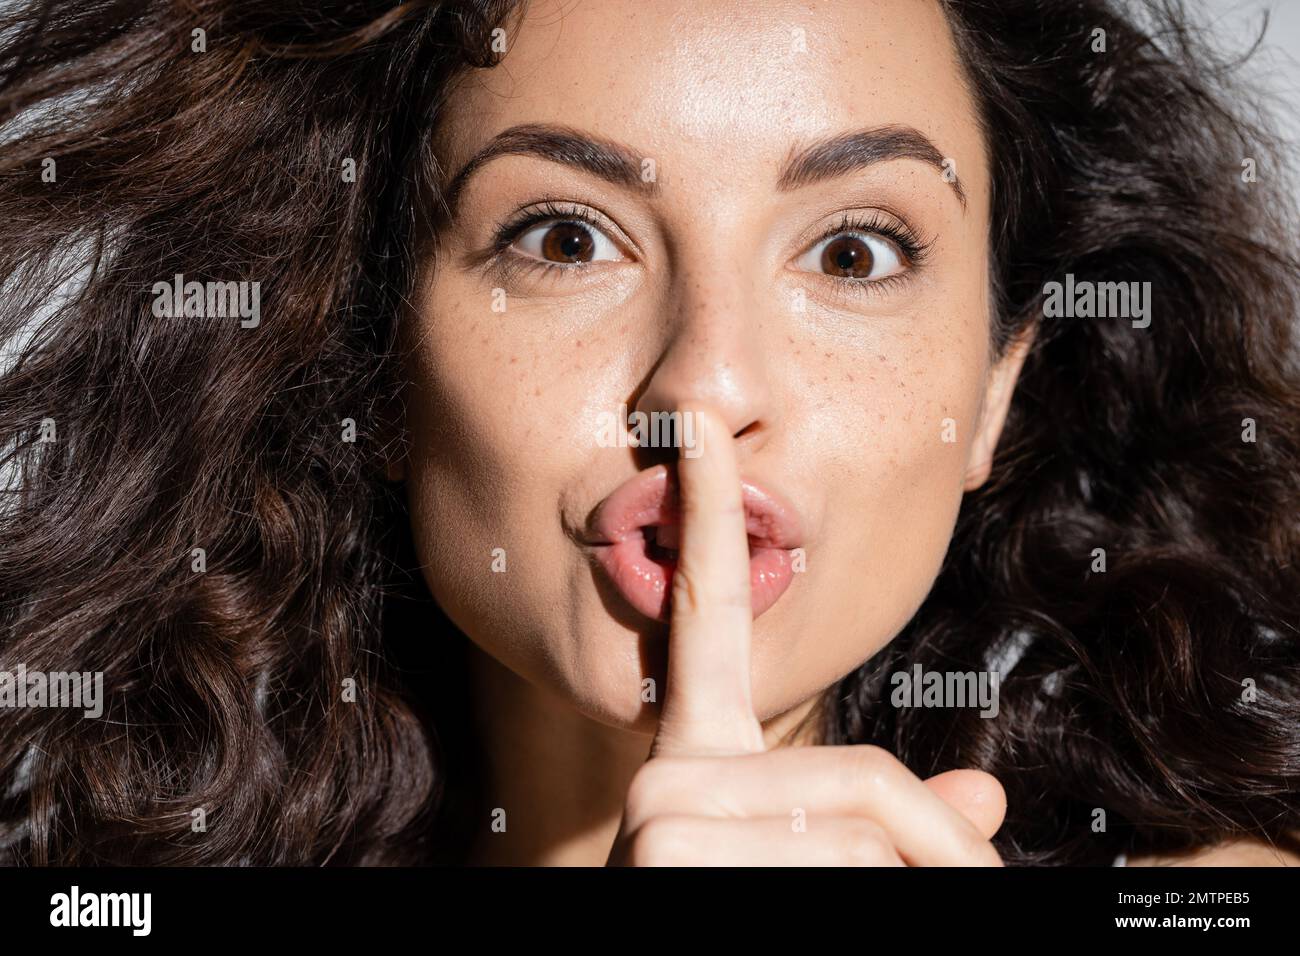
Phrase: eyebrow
(604, 158)
(831, 158)
(620, 165)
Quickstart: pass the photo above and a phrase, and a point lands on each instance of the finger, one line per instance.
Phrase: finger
(822, 780)
(707, 706)
(761, 841)
(974, 794)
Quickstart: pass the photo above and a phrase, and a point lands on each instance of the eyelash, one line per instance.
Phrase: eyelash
(510, 266)
(913, 248)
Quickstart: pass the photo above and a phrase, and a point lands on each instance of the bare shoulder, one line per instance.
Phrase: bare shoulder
(1235, 853)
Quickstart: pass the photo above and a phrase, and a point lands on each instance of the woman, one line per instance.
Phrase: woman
(861, 434)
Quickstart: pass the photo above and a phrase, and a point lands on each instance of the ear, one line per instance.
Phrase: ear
(997, 399)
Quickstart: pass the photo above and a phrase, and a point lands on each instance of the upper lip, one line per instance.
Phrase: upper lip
(650, 499)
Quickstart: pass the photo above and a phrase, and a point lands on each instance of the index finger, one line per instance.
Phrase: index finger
(707, 707)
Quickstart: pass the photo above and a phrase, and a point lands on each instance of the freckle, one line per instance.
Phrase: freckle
(881, 357)
(882, 417)
(514, 359)
(830, 354)
(579, 343)
(790, 339)
(850, 376)
(537, 391)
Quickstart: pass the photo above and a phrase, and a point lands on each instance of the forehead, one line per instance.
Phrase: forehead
(715, 86)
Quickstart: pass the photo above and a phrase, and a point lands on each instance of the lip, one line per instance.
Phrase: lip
(650, 500)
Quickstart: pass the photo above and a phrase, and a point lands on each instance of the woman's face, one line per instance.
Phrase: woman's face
(783, 213)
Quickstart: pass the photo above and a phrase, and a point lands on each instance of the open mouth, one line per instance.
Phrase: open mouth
(638, 534)
(662, 543)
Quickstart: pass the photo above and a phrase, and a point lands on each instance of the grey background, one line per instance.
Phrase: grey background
(1275, 69)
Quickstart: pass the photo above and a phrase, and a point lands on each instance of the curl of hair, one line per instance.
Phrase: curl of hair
(225, 691)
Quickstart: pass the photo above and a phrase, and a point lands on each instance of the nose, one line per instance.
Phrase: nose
(713, 354)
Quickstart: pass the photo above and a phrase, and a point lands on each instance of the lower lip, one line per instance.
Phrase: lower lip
(646, 582)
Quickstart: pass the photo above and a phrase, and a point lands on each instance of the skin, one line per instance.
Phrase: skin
(840, 408)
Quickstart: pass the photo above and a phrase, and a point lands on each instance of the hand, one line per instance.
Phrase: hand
(711, 793)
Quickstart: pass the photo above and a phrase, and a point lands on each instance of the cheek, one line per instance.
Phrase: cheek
(921, 413)
(503, 412)
(492, 430)
(893, 492)
(913, 470)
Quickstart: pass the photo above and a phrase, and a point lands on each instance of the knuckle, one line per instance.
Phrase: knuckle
(687, 595)
(870, 767)
(661, 841)
(649, 787)
(865, 843)
(694, 591)
(699, 510)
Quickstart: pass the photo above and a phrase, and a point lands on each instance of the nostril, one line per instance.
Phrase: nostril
(747, 430)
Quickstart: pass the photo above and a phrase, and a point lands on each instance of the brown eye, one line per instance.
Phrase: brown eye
(847, 256)
(861, 256)
(567, 243)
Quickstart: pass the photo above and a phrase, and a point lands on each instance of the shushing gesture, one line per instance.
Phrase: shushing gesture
(711, 793)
